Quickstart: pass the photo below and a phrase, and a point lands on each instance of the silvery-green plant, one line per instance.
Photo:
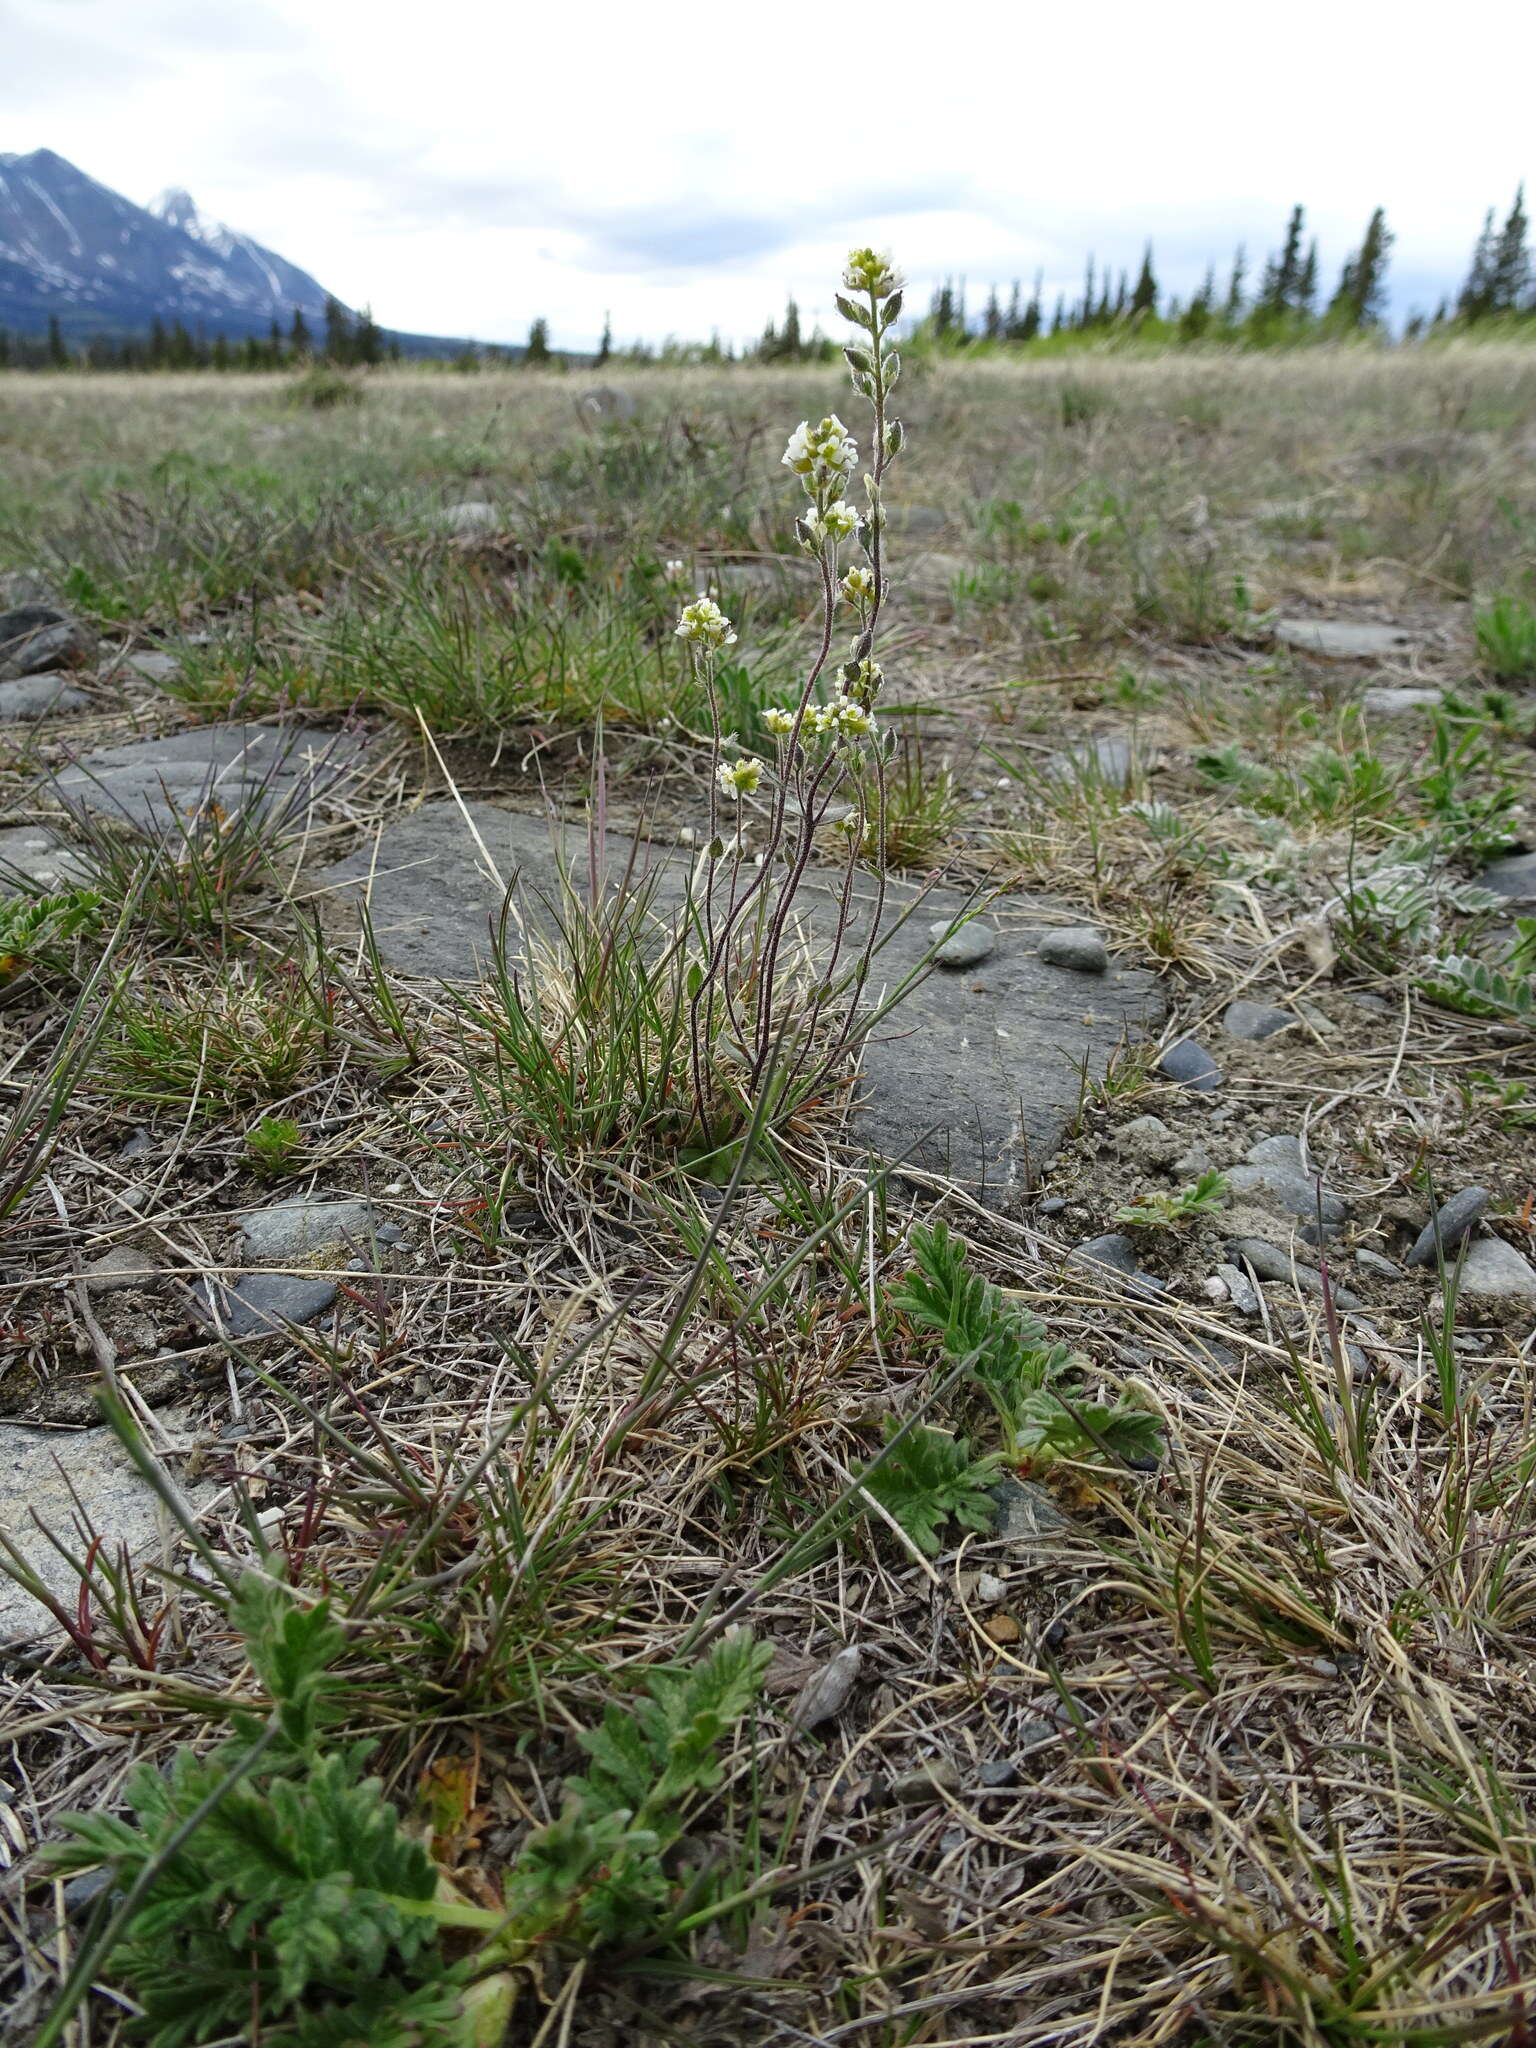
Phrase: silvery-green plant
(829, 751)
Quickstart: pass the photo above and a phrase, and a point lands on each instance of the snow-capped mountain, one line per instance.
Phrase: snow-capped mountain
(74, 249)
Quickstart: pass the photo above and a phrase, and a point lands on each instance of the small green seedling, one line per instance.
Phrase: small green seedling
(272, 1144)
(1166, 1212)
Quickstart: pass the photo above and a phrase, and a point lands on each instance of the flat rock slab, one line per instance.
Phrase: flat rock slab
(32, 853)
(152, 783)
(975, 1075)
(1344, 639)
(41, 1472)
(40, 697)
(1514, 877)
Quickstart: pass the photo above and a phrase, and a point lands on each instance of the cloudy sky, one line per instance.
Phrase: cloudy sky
(469, 164)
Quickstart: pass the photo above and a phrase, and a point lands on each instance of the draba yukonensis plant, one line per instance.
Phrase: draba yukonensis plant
(828, 763)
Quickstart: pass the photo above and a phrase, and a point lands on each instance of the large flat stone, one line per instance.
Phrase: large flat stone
(975, 1074)
(41, 1474)
(152, 782)
(49, 696)
(1514, 877)
(1343, 639)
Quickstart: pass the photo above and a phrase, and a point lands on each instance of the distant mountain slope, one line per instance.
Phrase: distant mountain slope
(73, 249)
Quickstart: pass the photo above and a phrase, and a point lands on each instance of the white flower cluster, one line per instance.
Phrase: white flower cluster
(821, 455)
(835, 523)
(858, 587)
(739, 778)
(868, 271)
(704, 622)
(779, 721)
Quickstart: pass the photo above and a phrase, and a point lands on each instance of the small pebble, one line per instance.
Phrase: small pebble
(997, 1772)
(1255, 1021)
(1053, 1205)
(1373, 1262)
(1082, 950)
(1449, 1225)
(968, 947)
(990, 1589)
(1113, 1250)
(1190, 1065)
(923, 1787)
(1241, 1292)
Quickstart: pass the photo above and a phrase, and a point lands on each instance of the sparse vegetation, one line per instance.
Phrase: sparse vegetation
(1135, 1648)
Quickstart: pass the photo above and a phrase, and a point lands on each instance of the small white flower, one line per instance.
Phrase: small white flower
(836, 523)
(705, 622)
(739, 778)
(853, 721)
(674, 570)
(823, 719)
(778, 720)
(867, 270)
(858, 586)
(822, 454)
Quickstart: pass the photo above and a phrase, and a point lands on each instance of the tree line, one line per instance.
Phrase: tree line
(1284, 305)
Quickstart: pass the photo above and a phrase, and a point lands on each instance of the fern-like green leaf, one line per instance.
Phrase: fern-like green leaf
(930, 1478)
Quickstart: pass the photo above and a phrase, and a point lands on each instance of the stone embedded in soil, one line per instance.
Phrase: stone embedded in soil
(1241, 1292)
(119, 1505)
(257, 1304)
(50, 696)
(1373, 1262)
(150, 663)
(1113, 1250)
(1081, 949)
(32, 852)
(928, 1784)
(126, 1265)
(977, 1082)
(1400, 703)
(968, 947)
(1343, 639)
(1495, 1271)
(1255, 1021)
(1191, 1066)
(1449, 1225)
(1290, 1193)
(1109, 758)
(1026, 1513)
(997, 1773)
(34, 637)
(1514, 877)
(277, 771)
(1268, 1260)
(304, 1230)
(1148, 1140)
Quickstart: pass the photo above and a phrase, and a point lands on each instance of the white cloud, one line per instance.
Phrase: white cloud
(467, 167)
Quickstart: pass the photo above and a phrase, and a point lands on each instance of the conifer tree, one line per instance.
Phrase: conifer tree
(992, 318)
(299, 342)
(58, 354)
(338, 333)
(1232, 309)
(1475, 301)
(605, 346)
(274, 344)
(1059, 317)
(1360, 300)
(1144, 298)
(1306, 287)
(159, 348)
(537, 353)
(367, 339)
(1511, 268)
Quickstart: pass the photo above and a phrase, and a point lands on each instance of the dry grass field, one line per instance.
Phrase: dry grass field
(675, 1577)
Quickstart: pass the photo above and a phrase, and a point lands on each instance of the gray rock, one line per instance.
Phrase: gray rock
(1109, 759)
(474, 516)
(1148, 1140)
(1268, 1261)
(34, 637)
(1291, 1194)
(1400, 703)
(1191, 1066)
(968, 947)
(1495, 1271)
(34, 854)
(997, 1773)
(976, 1083)
(40, 697)
(259, 1303)
(1112, 1250)
(1026, 1514)
(1191, 1164)
(1343, 639)
(1255, 1020)
(925, 1786)
(1082, 950)
(1241, 1292)
(1514, 877)
(1284, 1150)
(1449, 1226)
(606, 406)
(826, 1692)
(1373, 1262)
(126, 1265)
(1053, 1205)
(311, 1232)
(152, 665)
(24, 586)
(42, 1473)
(276, 770)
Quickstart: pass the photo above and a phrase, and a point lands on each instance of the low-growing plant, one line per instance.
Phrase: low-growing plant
(1506, 638)
(269, 1884)
(913, 813)
(272, 1144)
(1503, 987)
(1167, 1211)
(322, 388)
(42, 932)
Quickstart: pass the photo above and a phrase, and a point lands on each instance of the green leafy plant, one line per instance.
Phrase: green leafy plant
(272, 1143)
(1203, 1197)
(927, 1477)
(1506, 639)
(270, 1881)
(1504, 987)
(39, 931)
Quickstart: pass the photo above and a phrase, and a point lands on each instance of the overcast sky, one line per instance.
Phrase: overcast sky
(469, 164)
